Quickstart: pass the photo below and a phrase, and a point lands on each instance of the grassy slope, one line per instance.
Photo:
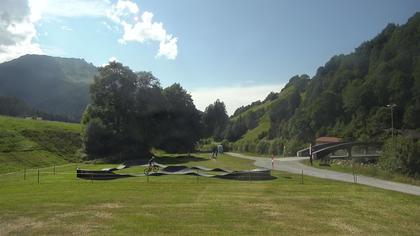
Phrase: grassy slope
(264, 122)
(187, 205)
(368, 171)
(32, 143)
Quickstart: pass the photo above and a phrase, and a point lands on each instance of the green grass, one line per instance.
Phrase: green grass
(180, 205)
(187, 205)
(264, 122)
(367, 170)
(32, 143)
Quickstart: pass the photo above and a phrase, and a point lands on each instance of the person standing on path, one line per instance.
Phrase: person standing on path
(272, 161)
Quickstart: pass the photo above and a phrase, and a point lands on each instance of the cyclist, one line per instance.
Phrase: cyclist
(153, 167)
(152, 162)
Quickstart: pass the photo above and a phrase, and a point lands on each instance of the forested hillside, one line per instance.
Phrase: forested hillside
(11, 106)
(346, 98)
(53, 85)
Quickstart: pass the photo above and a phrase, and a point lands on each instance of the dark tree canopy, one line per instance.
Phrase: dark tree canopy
(215, 120)
(130, 113)
(181, 126)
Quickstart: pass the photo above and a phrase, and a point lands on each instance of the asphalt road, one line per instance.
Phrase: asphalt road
(292, 165)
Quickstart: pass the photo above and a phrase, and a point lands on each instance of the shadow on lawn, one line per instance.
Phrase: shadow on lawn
(166, 159)
(178, 159)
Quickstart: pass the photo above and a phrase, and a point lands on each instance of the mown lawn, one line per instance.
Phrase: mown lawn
(187, 205)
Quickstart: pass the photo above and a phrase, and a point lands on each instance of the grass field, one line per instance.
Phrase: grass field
(61, 204)
(367, 170)
(187, 205)
(36, 143)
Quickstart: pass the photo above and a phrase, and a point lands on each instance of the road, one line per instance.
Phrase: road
(293, 165)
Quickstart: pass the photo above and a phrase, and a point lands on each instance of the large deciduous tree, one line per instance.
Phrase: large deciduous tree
(130, 113)
(122, 115)
(181, 126)
(215, 119)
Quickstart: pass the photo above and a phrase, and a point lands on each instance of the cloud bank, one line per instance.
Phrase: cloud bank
(233, 97)
(18, 19)
(17, 29)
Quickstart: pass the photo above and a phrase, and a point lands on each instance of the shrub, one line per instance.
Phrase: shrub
(402, 155)
(276, 147)
(262, 147)
(292, 146)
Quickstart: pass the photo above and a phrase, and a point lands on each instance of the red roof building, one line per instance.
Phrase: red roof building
(325, 139)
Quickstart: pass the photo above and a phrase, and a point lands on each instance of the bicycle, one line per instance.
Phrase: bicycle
(153, 168)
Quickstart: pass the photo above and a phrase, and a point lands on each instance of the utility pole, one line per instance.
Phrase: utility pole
(392, 106)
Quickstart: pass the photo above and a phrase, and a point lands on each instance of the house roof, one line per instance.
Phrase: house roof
(326, 139)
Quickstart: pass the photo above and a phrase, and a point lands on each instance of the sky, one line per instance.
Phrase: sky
(233, 50)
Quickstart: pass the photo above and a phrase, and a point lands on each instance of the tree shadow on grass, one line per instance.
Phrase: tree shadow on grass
(181, 159)
(166, 160)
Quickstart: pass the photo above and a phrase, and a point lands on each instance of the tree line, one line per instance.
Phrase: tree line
(130, 113)
(12, 106)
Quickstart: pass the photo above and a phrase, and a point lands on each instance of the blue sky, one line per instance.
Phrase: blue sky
(235, 50)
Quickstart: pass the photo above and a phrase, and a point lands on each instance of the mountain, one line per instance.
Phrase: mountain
(50, 84)
(347, 97)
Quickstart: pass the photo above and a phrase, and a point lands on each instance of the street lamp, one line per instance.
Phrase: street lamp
(392, 106)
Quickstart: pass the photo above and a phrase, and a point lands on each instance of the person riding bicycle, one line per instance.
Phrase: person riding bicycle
(152, 162)
(153, 167)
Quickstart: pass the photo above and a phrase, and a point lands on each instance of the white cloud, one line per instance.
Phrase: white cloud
(17, 30)
(233, 97)
(66, 28)
(143, 28)
(69, 8)
(111, 59)
(18, 19)
(113, 28)
(168, 48)
(121, 10)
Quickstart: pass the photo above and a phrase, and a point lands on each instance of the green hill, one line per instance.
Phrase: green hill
(36, 143)
(346, 98)
(54, 85)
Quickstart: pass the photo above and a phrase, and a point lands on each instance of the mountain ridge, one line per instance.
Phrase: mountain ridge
(52, 84)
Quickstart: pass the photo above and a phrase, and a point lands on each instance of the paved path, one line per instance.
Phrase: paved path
(292, 165)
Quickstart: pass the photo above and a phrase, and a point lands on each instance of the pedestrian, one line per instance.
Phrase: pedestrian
(220, 148)
(214, 152)
(272, 161)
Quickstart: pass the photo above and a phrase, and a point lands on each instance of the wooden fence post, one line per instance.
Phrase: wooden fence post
(301, 180)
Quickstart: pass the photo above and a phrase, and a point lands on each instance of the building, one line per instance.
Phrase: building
(326, 139)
